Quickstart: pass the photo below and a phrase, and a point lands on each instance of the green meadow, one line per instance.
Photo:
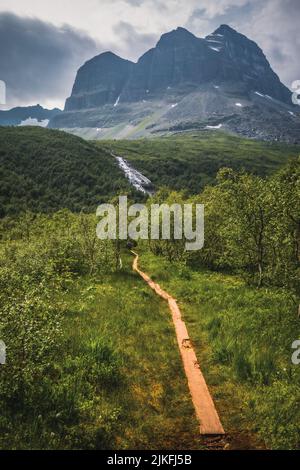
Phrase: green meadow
(92, 357)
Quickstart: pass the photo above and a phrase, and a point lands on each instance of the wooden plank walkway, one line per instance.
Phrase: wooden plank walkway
(205, 409)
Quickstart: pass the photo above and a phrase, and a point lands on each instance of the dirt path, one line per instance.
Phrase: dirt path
(206, 412)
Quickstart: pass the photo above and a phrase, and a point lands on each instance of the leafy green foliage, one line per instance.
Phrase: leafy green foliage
(40, 395)
(252, 226)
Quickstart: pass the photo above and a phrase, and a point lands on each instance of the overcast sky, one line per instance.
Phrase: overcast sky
(43, 42)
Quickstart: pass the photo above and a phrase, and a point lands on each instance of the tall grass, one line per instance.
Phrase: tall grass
(243, 337)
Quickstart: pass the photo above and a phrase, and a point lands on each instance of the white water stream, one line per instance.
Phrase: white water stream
(136, 179)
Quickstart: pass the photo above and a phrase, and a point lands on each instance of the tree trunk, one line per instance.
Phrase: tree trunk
(260, 278)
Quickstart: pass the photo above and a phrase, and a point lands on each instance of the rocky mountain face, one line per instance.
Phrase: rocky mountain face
(182, 60)
(221, 81)
(19, 115)
(99, 81)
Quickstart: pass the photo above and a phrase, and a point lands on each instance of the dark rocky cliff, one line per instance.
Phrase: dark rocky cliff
(223, 81)
(99, 81)
(179, 60)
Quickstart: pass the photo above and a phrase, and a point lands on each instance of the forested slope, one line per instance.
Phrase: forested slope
(46, 170)
(192, 161)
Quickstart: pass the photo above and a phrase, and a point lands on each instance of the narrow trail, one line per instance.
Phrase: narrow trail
(206, 412)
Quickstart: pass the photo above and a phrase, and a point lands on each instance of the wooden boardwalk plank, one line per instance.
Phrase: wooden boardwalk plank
(205, 409)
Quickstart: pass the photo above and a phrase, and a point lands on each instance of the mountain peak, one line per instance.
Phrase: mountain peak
(105, 57)
(99, 81)
(181, 63)
(181, 30)
(176, 36)
(225, 29)
(110, 54)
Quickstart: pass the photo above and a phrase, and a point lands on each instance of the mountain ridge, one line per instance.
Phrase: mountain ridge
(228, 75)
(20, 114)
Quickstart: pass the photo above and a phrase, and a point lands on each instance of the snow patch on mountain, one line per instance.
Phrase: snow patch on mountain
(117, 102)
(214, 127)
(34, 122)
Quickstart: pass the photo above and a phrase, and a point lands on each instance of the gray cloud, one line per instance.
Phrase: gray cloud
(135, 3)
(208, 20)
(133, 43)
(39, 60)
(153, 3)
(275, 25)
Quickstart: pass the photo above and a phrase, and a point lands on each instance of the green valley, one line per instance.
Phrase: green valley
(92, 360)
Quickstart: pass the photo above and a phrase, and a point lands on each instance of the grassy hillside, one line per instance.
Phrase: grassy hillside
(92, 359)
(192, 161)
(45, 170)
